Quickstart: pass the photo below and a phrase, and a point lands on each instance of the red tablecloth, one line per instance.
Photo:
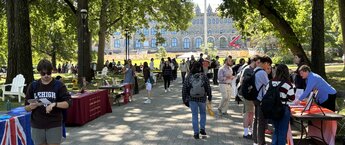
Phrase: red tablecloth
(88, 106)
(314, 114)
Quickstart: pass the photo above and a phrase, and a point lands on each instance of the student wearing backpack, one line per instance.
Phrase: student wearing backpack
(261, 81)
(326, 95)
(194, 92)
(225, 77)
(274, 107)
(248, 113)
(46, 99)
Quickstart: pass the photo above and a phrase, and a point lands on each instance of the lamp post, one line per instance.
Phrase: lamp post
(127, 50)
(82, 70)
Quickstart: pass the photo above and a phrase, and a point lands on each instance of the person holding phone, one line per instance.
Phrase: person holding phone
(46, 98)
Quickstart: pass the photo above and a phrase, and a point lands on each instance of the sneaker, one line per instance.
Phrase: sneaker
(169, 89)
(202, 132)
(267, 131)
(148, 101)
(196, 136)
(165, 91)
(249, 136)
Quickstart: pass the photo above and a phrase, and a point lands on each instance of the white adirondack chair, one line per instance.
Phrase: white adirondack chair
(102, 73)
(17, 88)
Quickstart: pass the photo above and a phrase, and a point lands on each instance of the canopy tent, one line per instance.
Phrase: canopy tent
(189, 55)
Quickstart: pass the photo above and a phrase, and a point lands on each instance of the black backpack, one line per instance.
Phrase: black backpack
(248, 88)
(271, 104)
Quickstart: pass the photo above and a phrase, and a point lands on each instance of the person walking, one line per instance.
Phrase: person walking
(225, 77)
(46, 98)
(167, 75)
(215, 71)
(183, 68)
(195, 91)
(128, 72)
(287, 93)
(148, 81)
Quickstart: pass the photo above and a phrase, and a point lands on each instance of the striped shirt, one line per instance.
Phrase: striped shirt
(287, 91)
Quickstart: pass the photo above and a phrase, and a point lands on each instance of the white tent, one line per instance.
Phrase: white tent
(189, 55)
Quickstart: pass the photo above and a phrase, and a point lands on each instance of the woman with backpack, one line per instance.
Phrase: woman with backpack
(194, 92)
(282, 78)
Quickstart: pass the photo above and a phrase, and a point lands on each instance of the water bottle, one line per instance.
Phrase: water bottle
(8, 105)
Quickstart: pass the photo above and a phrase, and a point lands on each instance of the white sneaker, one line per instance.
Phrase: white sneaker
(165, 91)
(148, 101)
(169, 89)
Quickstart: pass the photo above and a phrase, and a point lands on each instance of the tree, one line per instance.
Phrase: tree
(283, 15)
(341, 4)
(318, 38)
(161, 52)
(132, 15)
(210, 50)
(19, 40)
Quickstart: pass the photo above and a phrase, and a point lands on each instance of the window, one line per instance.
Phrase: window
(146, 32)
(117, 43)
(173, 32)
(213, 21)
(217, 21)
(173, 42)
(186, 43)
(209, 32)
(165, 44)
(137, 43)
(222, 42)
(153, 31)
(163, 31)
(210, 40)
(146, 44)
(153, 43)
(209, 21)
(201, 21)
(198, 42)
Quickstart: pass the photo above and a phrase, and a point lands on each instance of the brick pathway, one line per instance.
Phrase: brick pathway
(165, 121)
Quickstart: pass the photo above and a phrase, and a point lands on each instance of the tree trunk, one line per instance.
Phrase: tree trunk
(12, 53)
(341, 4)
(284, 28)
(23, 40)
(84, 56)
(53, 55)
(101, 34)
(318, 39)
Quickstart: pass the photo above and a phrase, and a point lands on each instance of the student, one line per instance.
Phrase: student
(326, 95)
(196, 102)
(167, 75)
(148, 83)
(46, 118)
(225, 77)
(286, 94)
(261, 81)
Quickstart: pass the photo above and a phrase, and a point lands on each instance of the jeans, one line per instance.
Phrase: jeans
(195, 121)
(215, 76)
(259, 125)
(183, 74)
(280, 128)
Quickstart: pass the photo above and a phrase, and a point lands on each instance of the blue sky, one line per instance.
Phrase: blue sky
(214, 3)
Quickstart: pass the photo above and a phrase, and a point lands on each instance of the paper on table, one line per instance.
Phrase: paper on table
(298, 94)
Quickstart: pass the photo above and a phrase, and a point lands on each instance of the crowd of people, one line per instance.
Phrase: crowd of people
(251, 82)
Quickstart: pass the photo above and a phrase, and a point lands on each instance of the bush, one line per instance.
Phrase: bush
(286, 59)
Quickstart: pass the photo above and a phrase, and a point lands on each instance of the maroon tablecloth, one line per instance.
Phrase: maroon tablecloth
(88, 106)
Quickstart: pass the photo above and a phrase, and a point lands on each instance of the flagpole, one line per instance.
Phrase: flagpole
(205, 27)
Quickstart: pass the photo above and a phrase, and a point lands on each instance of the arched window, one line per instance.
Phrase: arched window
(222, 42)
(209, 32)
(153, 43)
(198, 42)
(137, 43)
(213, 21)
(117, 43)
(186, 43)
(210, 40)
(173, 42)
(165, 44)
(153, 31)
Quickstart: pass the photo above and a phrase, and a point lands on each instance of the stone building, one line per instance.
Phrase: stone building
(220, 33)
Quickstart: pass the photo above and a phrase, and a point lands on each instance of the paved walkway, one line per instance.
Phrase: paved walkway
(165, 121)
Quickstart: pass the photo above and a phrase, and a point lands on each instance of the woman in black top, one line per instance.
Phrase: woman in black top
(167, 75)
(148, 83)
(297, 79)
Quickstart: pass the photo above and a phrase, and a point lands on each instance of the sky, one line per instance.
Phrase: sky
(214, 3)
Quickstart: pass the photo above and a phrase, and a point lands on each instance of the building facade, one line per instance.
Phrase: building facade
(220, 33)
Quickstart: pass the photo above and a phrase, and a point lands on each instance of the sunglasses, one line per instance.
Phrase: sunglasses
(45, 73)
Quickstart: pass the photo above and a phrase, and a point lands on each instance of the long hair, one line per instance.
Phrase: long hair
(282, 73)
(302, 61)
(145, 64)
(196, 68)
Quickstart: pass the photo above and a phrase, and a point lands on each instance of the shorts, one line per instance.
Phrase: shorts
(46, 136)
(248, 105)
(148, 86)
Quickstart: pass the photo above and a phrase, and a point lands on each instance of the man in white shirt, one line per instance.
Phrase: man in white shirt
(183, 68)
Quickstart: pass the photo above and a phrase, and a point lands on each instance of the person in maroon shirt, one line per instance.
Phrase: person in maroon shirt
(46, 99)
